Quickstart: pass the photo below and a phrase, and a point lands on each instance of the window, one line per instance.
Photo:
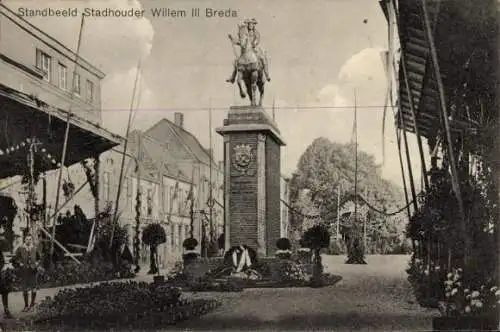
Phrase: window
(90, 91)
(128, 182)
(172, 238)
(76, 84)
(150, 202)
(44, 62)
(125, 188)
(180, 202)
(166, 198)
(179, 238)
(171, 202)
(63, 77)
(105, 185)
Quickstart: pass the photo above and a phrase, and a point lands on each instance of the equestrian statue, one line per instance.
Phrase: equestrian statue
(251, 65)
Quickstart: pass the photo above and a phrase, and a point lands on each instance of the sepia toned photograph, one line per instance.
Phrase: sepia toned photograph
(249, 165)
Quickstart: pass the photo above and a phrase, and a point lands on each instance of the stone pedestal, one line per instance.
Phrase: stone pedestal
(252, 145)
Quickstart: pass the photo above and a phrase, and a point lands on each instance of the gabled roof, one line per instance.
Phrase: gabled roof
(191, 144)
(172, 171)
(153, 158)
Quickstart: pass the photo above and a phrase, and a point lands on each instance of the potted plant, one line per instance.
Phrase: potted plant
(154, 235)
(304, 253)
(190, 253)
(317, 238)
(284, 248)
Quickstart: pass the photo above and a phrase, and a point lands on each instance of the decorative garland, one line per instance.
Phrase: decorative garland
(25, 144)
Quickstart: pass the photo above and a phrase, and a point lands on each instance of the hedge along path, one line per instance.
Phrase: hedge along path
(51, 291)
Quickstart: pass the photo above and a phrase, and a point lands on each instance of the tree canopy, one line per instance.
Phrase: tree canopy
(322, 169)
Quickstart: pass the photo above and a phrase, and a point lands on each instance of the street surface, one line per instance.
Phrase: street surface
(373, 297)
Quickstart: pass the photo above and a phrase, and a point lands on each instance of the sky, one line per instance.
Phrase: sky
(324, 57)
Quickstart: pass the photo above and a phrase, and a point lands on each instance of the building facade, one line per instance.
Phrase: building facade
(35, 63)
(164, 193)
(41, 79)
(197, 163)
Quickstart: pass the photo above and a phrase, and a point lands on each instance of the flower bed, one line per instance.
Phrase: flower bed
(265, 273)
(426, 283)
(71, 273)
(463, 300)
(223, 285)
(120, 305)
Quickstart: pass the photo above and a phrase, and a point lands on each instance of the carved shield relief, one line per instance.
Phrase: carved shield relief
(243, 156)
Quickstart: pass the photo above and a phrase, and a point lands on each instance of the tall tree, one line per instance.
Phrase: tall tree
(323, 168)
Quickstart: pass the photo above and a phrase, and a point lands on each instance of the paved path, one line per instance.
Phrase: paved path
(373, 297)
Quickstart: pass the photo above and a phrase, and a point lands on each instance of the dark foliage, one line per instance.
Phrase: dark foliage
(121, 305)
(283, 244)
(221, 241)
(325, 167)
(356, 253)
(316, 237)
(154, 235)
(190, 243)
(8, 210)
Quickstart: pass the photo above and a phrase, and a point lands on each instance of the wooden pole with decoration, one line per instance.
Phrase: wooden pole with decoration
(122, 166)
(66, 136)
(191, 206)
(210, 195)
(138, 205)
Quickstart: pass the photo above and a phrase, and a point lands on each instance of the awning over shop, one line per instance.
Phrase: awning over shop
(456, 27)
(23, 117)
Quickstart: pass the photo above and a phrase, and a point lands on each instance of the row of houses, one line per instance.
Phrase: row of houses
(166, 162)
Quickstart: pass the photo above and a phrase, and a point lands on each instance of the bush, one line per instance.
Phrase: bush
(71, 273)
(119, 305)
(289, 273)
(154, 235)
(283, 244)
(190, 243)
(262, 268)
(316, 237)
(336, 248)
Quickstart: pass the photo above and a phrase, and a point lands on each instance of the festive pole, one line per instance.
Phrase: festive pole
(66, 136)
(122, 166)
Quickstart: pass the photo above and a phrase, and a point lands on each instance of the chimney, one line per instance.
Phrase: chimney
(179, 119)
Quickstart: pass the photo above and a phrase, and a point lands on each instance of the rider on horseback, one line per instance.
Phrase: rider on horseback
(254, 36)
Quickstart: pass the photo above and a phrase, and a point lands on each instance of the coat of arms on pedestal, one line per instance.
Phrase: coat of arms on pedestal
(242, 159)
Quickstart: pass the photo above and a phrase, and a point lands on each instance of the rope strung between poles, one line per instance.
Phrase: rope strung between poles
(315, 216)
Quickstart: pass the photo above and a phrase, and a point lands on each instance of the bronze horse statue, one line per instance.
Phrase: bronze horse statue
(250, 68)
